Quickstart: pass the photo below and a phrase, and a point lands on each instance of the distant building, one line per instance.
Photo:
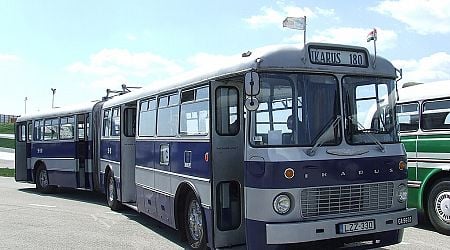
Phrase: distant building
(8, 118)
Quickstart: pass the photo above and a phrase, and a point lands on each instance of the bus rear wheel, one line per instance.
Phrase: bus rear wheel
(194, 223)
(438, 206)
(42, 183)
(111, 192)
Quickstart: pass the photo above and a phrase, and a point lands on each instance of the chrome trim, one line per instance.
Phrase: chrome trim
(41, 158)
(155, 190)
(414, 184)
(318, 202)
(174, 174)
(106, 160)
(190, 138)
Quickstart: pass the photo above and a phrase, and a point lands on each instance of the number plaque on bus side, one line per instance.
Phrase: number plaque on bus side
(338, 56)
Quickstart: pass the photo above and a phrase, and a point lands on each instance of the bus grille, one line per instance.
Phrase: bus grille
(341, 200)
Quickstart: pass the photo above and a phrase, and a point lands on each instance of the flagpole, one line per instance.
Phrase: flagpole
(304, 33)
(375, 47)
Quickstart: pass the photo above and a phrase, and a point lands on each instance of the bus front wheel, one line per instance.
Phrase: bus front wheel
(194, 223)
(438, 206)
(42, 183)
(111, 192)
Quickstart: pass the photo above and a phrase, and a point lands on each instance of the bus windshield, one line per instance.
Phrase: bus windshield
(369, 111)
(280, 121)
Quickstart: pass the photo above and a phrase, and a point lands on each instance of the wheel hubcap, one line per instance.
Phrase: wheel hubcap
(442, 206)
(195, 221)
(43, 180)
(111, 189)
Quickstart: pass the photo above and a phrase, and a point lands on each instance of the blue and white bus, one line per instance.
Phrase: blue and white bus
(266, 152)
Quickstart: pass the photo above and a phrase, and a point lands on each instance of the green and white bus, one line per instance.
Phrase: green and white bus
(424, 117)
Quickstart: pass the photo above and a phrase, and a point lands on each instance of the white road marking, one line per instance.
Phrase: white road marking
(40, 205)
(7, 156)
(102, 222)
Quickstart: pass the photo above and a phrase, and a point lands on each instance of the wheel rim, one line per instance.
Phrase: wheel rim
(111, 189)
(195, 221)
(442, 206)
(43, 180)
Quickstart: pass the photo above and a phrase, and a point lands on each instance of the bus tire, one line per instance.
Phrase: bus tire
(42, 183)
(111, 193)
(438, 206)
(194, 219)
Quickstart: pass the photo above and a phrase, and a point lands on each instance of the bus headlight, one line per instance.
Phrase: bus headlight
(282, 204)
(402, 193)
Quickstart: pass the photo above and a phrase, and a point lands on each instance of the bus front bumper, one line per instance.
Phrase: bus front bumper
(284, 233)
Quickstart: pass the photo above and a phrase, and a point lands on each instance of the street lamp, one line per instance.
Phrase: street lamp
(26, 99)
(53, 97)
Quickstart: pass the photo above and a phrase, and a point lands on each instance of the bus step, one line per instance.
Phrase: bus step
(132, 205)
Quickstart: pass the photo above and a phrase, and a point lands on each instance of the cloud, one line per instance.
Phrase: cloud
(347, 35)
(428, 69)
(271, 16)
(9, 58)
(121, 65)
(424, 17)
(204, 61)
(131, 37)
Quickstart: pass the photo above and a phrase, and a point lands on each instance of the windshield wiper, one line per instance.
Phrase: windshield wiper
(369, 134)
(324, 137)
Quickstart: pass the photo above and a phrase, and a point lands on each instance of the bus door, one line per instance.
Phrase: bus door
(82, 149)
(128, 153)
(408, 118)
(21, 152)
(227, 160)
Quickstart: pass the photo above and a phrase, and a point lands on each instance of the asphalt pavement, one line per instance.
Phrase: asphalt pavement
(74, 219)
(78, 219)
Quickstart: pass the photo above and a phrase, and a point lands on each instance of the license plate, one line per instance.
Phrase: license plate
(404, 220)
(356, 226)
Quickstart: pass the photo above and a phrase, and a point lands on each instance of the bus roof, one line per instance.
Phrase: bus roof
(276, 57)
(55, 112)
(424, 91)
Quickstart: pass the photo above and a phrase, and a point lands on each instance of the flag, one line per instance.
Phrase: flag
(298, 23)
(372, 35)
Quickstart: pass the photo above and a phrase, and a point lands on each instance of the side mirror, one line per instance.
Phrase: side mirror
(251, 104)
(251, 84)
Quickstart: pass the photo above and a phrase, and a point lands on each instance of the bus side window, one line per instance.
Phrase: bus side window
(66, 128)
(227, 119)
(147, 118)
(408, 116)
(21, 133)
(168, 115)
(194, 112)
(115, 122)
(30, 131)
(435, 115)
(38, 130)
(130, 122)
(106, 123)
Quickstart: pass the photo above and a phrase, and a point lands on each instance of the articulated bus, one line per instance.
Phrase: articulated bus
(424, 116)
(266, 152)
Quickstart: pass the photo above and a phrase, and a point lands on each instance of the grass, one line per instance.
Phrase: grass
(7, 143)
(7, 172)
(6, 128)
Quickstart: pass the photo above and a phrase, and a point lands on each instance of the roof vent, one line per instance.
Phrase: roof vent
(409, 84)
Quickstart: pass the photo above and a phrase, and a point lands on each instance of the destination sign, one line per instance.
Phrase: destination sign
(338, 57)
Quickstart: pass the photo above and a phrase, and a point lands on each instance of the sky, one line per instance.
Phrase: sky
(81, 48)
